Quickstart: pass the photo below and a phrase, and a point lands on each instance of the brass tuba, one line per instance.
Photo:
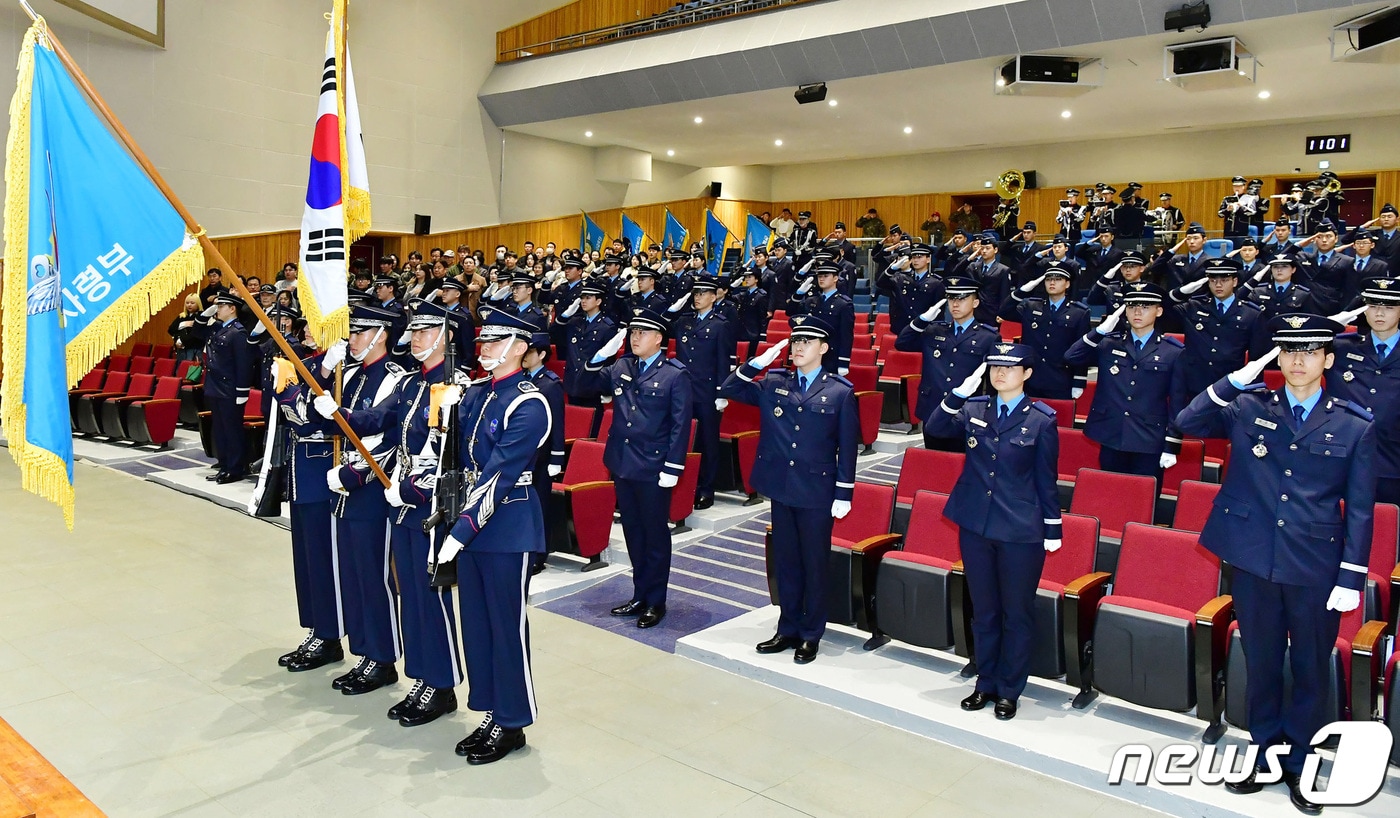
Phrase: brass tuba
(1010, 185)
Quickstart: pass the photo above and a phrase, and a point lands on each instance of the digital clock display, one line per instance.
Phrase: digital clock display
(1334, 143)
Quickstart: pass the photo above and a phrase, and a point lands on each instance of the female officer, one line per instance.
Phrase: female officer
(1006, 506)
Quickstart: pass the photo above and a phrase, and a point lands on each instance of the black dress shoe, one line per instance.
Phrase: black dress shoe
(287, 657)
(432, 704)
(216, 476)
(1005, 709)
(499, 743)
(651, 616)
(632, 608)
(374, 676)
(321, 652)
(537, 568)
(704, 501)
(806, 651)
(339, 682)
(228, 477)
(1299, 801)
(1248, 786)
(976, 701)
(777, 644)
(474, 739)
(396, 712)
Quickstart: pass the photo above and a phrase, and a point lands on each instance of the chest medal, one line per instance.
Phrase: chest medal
(1260, 449)
(1113, 369)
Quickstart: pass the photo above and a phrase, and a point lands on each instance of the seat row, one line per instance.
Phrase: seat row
(135, 398)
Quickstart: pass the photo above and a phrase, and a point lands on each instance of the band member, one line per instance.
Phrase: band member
(809, 435)
(1130, 216)
(804, 238)
(1168, 220)
(1070, 216)
(1006, 504)
(1240, 208)
(1296, 455)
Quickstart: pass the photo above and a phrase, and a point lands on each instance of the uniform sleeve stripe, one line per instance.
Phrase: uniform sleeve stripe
(841, 485)
(1089, 339)
(1171, 439)
(1210, 390)
(671, 465)
(743, 375)
(1048, 521)
(1351, 566)
(944, 406)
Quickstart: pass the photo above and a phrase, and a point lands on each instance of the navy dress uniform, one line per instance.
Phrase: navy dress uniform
(1171, 271)
(1362, 269)
(1050, 328)
(705, 345)
(993, 280)
(1278, 520)
(645, 453)
(1219, 334)
(463, 341)
(1006, 504)
(751, 304)
(809, 436)
(502, 422)
(228, 381)
(1278, 298)
(549, 461)
(586, 335)
(564, 294)
(652, 300)
(910, 292)
(1097, 259)
(1367, 373)
(1141, 387)
(950, 353)
(837, 311)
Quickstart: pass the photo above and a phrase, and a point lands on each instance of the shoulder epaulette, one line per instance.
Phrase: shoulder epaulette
(841, 380)
(527, 385)
(551, 375)
(1044, 408)
(1348, 335)
(1253, 304)
(677, 364)
(991, 328)
(1167, 339)
(980, 399)
(1357, 410)
(479, 381)
(1082, 304)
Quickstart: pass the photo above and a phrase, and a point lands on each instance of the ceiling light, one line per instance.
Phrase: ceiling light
(778, 142)
(699, 119)
(670, 153)
(1264, 94)
(588, 134)
(831, 102)
(908, 129)
(1065, 114)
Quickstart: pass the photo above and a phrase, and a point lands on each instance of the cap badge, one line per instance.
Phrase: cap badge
(1005, 348)
(1295, 321)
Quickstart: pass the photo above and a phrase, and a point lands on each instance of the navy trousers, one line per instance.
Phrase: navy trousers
(372, 605)
(491, 588)
(707, 444)
(316, 570)
(230, 444)
(645, 510)
(1002, 578)
(1123, 462)
(801, 549)
(1272, 617)
(431, 649)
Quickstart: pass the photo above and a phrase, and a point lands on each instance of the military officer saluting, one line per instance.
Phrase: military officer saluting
(645, 453)
(1006, 505)
(705, 345)
(644, 295)
(751, 306)
(1173, 269)
(1050, 326)
(952, 349)
(912, 285)
(809, 435)
(1296, 455)
(1367, 373)
(836, 311)
(588, 330)
(228, 380)
(1280, 293)
(1141, 386)
(1219, 327)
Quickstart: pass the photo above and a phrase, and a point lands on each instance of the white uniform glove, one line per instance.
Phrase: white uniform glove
(334, 356)
(555, 471)
(721, 403)
(840, 508)
(1260, 273)
(932, 312)
(326, 406)
(1109, 274)
(1343, 599)
(392, 495)
(571, 309)
(769, 355)
(805, 287)
(1111, 321)
(451, 396)
(1167, 460)
(1076, 392)
(605, 400)
(241, 401)
(972, 383)
(680, 303)
(1345, 318)
(612, 346)
(1052, 545)
(1032, 284)
(1249, 373)
(806, 267)
(333, 481)
(258, 328)
(449, 550)
(405, 338)
(667, 481)
(842, 371)
(1191, 286)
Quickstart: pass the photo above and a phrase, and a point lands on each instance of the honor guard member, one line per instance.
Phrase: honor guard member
(1278, 293)
(1109, 288)
(549, 462)
(588, 331)
(836, 311)
(705, 345)
(751, 302)
(1172, 269)
(645, 452)
(562, 298)
(804, 238)
(1050, 326)
(229, 371)
(1220, 327)
(912, 285)
(452, 293)
(808, 438)
(265, 349)
(432, 654)
(724, 306)
(1006, 504)
(502, 421)
(1367, 373)
(1141, 385)
(952, 348)
(1296, 455)
(840, 246)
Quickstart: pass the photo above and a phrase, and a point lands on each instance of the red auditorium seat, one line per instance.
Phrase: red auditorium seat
(580, 516)
(894, 384)
(1116, 500)
(87, 407)
(118, 363)
(160, 351)
(863, 357)
(141, 365)
(923, 470)
(683, 495)
(164, 367)
(141, 348)
(913, 599)
(1193, 504)
(578, 423)
(738, 418)
(1391, 714)
(1190, 463)
(1010, 330)
(152, 421)
(111, 414)
(1085, 402)
(1077, 451)
(1064, 411)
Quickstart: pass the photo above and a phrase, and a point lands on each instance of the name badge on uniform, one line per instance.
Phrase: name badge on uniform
(627, 377)
(977, 422)
(1267, 424)
(1355, 357)
(1348, 376)
(782, 392)
(1120, 353)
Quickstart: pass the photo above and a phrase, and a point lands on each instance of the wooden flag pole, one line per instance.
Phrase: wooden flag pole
(211, 252)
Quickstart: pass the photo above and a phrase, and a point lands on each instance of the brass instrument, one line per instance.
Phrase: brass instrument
(1010, 185)
(1331, 184)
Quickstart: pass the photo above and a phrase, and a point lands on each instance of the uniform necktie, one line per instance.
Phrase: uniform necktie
(1382, 350)
(1281, 288)
(1360, 264)
(1220, 307)
(802, 383)
(1004, 412)
(957, 330)
(1138, 343)
(1297, 417)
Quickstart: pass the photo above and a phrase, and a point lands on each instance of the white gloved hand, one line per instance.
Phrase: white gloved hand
(972, 383)
(1343, 599)
(1077, 392)
(840, 508)
(451, 547)
(1345, 318)
(333, 481)
(1111, 272)
(405, 338)
(633, 287)
(209, 311)
(1111, 321)
(392, 495)
(931, 313)
(1032, 284)
(258, 328)
(612, 346)
(1191, 286)
(806, 267)
(334, 356)
(769, 355)
(555, 471)
(1260, 273)
(721, 403)
(571, 309)
(1166, 461)
(1249, 373)
(241, 401)
(680, 303)
(667, 481)
(605, 400)
(451, 396)
(1052, 545)
(843, 371)
(805, 286)
(326, 406)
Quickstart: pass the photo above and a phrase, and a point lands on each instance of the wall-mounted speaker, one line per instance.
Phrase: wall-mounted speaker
(714, 190)
(1032, 180)
(422, 224)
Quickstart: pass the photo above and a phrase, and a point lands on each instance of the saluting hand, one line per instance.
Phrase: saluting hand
(1249, 373)
(1032, 284)
(571, 309)
(972, 383)
(805, 286)
(1111, 320)
(1345, 318)
(1260, 273)
(1191, 286)
(1111, 272)
(680, 303)
(612, 346)
(769, 355)
(931, 313)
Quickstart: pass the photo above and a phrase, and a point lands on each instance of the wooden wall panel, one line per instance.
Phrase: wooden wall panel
(577, 18)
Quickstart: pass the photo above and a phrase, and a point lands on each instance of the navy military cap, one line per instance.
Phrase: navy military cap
(354, 296)
(1143, 292)
(1107, 189)
(1195, 230)
(1327, 226)
(1071, 191)
(1381, 291)
(1282, 221)
(783, 243)
(645, 272)
(1164, 195)
(1058, 268)
(498, 324)
(522, 277)
(1302, 332)
(425, 314)
(540, 341)
(1366, 235)
(1239, 180)
(229, 298)
(1248, 243)
(1012, 355)
(963, 233)
(1389, 208)
(591, 287)
(1133, 257)
(1222, 267)
(1134, 186)
(451, 283)
(1108, 228)
(1028, 226)
(611, 259)
(644, 318)
(839, 226)
(826, 270)
(1282, 260)
(920, 250)
(991, 235)
(1060, 240)
(959, 287)
(810, 326)
(385, 281)
(706, 284)
(367, 316)
(576, 263)
(282, 312)
(806, 214)
(267, 289)
(895, 230)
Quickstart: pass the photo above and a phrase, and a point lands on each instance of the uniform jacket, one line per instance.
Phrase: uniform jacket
(1357, 375)
(651, 415)
(1216, 344)
(1138, 394)
(228, 363)
(993, 286)
(706, 347)
(1051, 333)
(1171, 271)
(839, 312)
(948, 359)
(583, 340)
(311, 448)
(552, 387)
(752, 307)
(910, 294)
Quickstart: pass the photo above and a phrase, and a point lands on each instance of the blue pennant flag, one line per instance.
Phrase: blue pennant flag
(716, 239)
(590, 236)
(93, 249)
(633, 236)
(675, 235)
(756, 234)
